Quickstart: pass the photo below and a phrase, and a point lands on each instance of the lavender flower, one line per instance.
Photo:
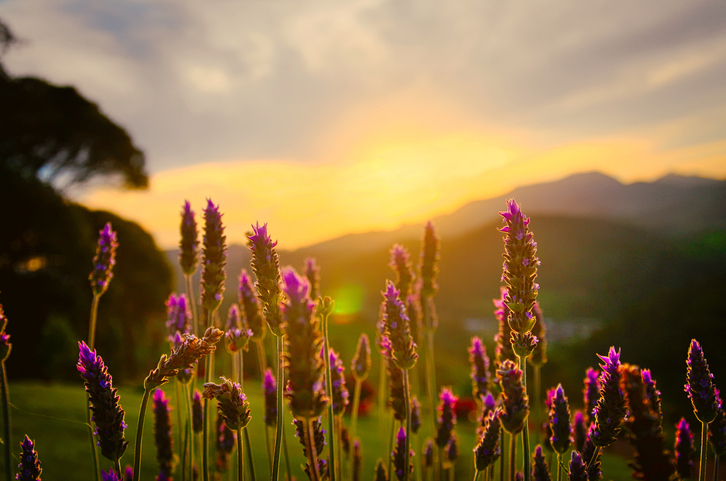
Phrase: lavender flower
(128, 474)
(312, 272)
(318, 439)
(345, 439)
(503, 349)
(610, 409)
(520, 268)
(396, 398)
(162, 433)
(539, 355)
(338, 389)
(381, 471)
(361, 362)
(488, 405)
(651, 392)
(699, 386)
(580, 431)
(479, 369)
(237, 333)
(560, 421)
(189, 244)
(197, 412)
(183, 357)
(232, 404)
(415, 415)
(29, 466)
(179, 317)
(214, 258)
(514, 396)
(251, 307)
(578, 468)
(108, 416)
(452, 452)
(593, 471)
(428, 453)
(428, 261)
(591, 392)
(399, 453)
(447, 417)
(717, 432)
(684, 449)
(266, 267)
(644, 431)
(401, 265)
(488, 450)
(269, 386)
(5, 345)
(397, 328)
(303, 345)
(107, 476)
(540, 470)
(104, 260)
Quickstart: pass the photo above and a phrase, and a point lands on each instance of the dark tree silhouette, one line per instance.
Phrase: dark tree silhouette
(56, 135)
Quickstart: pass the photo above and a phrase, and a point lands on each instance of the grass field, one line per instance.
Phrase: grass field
(54, 416)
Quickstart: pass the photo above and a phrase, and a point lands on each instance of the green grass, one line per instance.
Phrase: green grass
(54, 416)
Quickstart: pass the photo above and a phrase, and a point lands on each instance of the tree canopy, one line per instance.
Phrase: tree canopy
(54, 134)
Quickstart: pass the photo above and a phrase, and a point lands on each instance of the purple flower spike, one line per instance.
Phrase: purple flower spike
(266, 267)
(232, 404)
(479, 369)
(162, 433)
(560, 421)
(428, 454)
(399, 453)
(540, 470)
(337, 380)
(699, 386)
(312, 272)
(109, 476)
(428, 262)
(179, 317)
(269, 387)
(361, 362)
(539, 355)
(488, 450)
(108, 416)
(197, 412)
(303, 344)
(651, 392)
(447, 417)
(514, 395)
(580, 431)
(684, 449)
(251, 307)
(128, 474)
(401, 265)
(104, 260)
(189, 244)
(717, 431)
(578, 468)
(520, 268)
(503, 349)
(29, 466)
(214, 258)
(591, 392)
(610, 409)
(415, 415)
(397, 328)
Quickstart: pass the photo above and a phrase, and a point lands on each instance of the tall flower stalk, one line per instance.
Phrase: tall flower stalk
(303, 361)
(515, 403)
(162, 435)
(5, 348)
(189, 257)
(29, 466)
(610, 409)
(488, 450)
(214, 259)
(560, 425)
(520, 273)
(704, 397)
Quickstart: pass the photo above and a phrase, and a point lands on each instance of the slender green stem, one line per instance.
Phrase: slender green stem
(593, 458)
(189, 430)
(207, 417)
(269, 448)
(193, 303)
(91, 437)
(250, 459)
(512, 457)
(310, 448)
(240, 457)
(139, 434)
(715, 467)
(559, 467)
(525, 430)
(92, 323)
(6, 425)
(354, 415)
(382, 388)
(407, 403)
(704, 451)
(332, 446)
(502, 458)
(279, 427)
(287, 456)
(476, 475)
(537, 399)
(179, 438)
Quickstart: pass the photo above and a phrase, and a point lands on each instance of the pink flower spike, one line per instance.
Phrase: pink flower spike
(296, 287)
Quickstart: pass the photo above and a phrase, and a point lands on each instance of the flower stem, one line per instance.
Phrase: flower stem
(559, 467)
(6, 426)
(117, 467)
(240, 457)
(248, 449)
(91, 342)
(279, 427)
(476, 475)
(512, 457)
(310, 448)
(190, 432)
(260, 345)
(332, 446)
(704, 451)
(715, 467)
(525, 430)
(354, 414)
(287, 456)
(207, 417)
(537, 398)
(407, 403)
(139, 434)
(192, 302)
(92, 323)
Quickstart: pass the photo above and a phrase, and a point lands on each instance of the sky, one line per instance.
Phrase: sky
(325, 117)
